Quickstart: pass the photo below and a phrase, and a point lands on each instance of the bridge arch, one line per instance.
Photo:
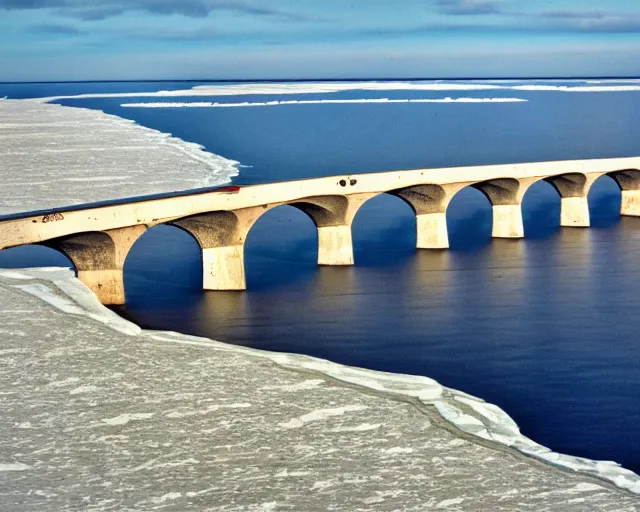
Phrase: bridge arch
(628, 180)
(541, 205)
(177, 265)
(604, 199)
(325, 211)
(573, 189)
(505, 196)
(281, 246)
(222, 236)
(501, 191)
(429, 203)
(333, 217)
(98, 258)
(469, 217)
(385, 222)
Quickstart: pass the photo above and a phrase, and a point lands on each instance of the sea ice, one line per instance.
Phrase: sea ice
(49, 153)
(335, 87)
(407, 459)
(205, 104)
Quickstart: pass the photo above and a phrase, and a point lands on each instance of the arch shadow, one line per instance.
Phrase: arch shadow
(164, 264)
(281, 248)
(384, 230)
(604, 201)
(541, 210)
(469, 219)
(34, 255)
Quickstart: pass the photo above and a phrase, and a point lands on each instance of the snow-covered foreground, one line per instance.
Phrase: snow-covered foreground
(52, 156)
(101, 415)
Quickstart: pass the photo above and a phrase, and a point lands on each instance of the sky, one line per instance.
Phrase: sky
(65, 40)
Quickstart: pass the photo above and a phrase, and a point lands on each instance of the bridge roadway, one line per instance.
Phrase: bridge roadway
(97, 239)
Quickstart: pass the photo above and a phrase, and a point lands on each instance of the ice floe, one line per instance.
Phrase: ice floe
(336, 87)
(276, 103)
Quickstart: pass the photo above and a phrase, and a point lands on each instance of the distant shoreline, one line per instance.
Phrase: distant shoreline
(290, 80)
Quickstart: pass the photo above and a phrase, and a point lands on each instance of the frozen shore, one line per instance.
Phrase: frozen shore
(100, 415)
(54, 156)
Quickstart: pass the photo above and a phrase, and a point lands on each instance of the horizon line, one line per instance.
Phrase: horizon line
(285, 80)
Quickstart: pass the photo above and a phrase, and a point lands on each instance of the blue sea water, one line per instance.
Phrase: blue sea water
(544, 327)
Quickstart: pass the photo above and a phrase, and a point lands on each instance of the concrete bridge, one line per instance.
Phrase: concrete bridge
(97, 239)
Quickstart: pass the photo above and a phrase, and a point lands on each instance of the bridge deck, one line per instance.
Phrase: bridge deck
(33, 227)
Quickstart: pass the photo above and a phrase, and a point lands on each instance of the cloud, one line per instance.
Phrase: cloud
(594, 21)
(468, 7)
(557, 21)
(92, 10)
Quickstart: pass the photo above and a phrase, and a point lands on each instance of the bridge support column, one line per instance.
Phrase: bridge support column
(432, 231)
(99, 257)
(630, 203)
(221, 236)
(505, 196)
(223, 268)
(574, 212)
(107, 285)
(333, 216)
(429, 203)
(507, 221)
(335, 246)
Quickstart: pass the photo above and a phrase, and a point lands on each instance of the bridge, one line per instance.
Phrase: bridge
(97, 238)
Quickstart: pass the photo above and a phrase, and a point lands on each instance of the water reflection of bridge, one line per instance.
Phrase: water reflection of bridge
(97, 239)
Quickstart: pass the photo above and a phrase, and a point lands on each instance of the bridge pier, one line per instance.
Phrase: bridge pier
(107, 285)
(335, 246)
(507, 221)
(630, 204)
(505, 195)
(432, 231)
(429, 203)
(99, 257)
(574, 212)
(574, 204)
(223, 268)
(221, 236)
(333, 217)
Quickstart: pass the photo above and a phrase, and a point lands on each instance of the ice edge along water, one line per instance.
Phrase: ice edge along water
(276, 103)
(221, 169)
(59, 288)
(333, 87)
